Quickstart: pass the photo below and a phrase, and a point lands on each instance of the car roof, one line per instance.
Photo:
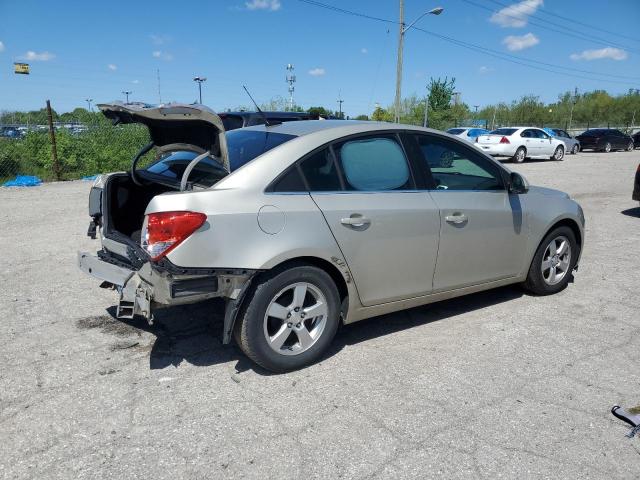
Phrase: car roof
(337, 127)
(268, 114)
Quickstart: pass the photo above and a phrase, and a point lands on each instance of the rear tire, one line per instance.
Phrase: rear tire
(630, 147)
(575, 149)
(552, 267)
(607, 147)
(520, 155)
(287, 340)
(558, 155)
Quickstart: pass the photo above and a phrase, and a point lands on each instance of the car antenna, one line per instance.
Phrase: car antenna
(264, 117)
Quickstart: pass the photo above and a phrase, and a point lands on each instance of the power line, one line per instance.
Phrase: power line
(487, 51)
(563, 29)
(545, 11)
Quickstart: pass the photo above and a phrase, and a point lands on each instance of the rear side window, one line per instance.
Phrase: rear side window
(320, 172)
(374, 164)
(290, 182)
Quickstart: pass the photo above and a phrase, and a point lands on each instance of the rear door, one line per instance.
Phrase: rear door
(483, 232)
(387, 230)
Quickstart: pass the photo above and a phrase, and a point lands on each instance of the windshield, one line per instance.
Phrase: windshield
(243, 147)
(504, 131)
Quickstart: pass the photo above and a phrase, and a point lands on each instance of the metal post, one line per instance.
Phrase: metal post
(340, 101)
(126, 93)
(426, 112)
(399, 63)
(200, 91)
(52, 137)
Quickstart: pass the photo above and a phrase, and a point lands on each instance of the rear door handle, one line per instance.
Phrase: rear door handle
(456, 218)
(355, 220)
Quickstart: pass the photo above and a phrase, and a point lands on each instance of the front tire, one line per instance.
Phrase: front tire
(289, 319)
(630, 147)
(607, 147)
(520, 155)
(555, 259)
(558, 155)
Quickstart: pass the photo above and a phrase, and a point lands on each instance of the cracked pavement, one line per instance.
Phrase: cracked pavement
(499, 384)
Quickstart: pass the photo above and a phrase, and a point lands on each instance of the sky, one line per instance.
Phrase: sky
(82, 50)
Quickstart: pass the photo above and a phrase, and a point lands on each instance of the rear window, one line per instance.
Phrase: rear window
(504, 131)
(245, 145)
(455, 131)
(231, 122)
(593, 133)
(172, 166)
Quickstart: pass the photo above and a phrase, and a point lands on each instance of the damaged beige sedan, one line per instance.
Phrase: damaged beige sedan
(301, 226)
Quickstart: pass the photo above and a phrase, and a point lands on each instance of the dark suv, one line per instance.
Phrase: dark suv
(233, 120)
(605, 140)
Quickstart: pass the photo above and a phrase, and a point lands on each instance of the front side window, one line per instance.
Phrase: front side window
(458, 167)
(374, 164)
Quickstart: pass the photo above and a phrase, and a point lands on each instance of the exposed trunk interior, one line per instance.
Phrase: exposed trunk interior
(126, 203)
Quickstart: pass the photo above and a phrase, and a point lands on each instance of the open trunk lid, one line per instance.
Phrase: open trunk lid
(175, 125)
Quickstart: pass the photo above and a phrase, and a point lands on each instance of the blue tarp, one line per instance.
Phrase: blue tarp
(90, 178)
(23, 181)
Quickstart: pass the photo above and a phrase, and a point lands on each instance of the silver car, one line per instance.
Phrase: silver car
(571, 144)
(318, 223)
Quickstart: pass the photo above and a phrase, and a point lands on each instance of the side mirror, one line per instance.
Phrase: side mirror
(518, 184)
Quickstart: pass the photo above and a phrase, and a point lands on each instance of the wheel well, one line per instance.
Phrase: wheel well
(322, 264)
(572, 225)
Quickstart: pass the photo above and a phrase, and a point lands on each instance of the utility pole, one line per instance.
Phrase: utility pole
(426, 110)
(52, 137)
(573, 102)
(493, 120)
(200, 80)
(291, 79)
(126, 93)
(340, 101)
(402, 31)
(89, 100)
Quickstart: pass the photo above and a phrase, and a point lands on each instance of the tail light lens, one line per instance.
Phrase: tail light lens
(504, 140)
(164, 231)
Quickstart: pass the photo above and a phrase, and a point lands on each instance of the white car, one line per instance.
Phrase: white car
(468, 134)
(520, 143)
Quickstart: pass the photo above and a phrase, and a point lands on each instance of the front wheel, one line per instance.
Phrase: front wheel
(607, 147)
(553, 262)
(520, 155)
(558, 154)
(630, 147)
(290, 318)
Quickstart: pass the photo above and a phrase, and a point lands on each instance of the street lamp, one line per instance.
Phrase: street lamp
(126, 93)
(89, 100)
(403, 30)
(200, 80)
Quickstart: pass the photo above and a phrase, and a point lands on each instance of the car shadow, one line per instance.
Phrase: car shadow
(193, 333)
(632, 212)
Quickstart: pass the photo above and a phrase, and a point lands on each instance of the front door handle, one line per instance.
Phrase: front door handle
(456, 218)
(355, 220)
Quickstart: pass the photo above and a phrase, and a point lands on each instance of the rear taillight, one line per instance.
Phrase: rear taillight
(504, 140)
(164, 231)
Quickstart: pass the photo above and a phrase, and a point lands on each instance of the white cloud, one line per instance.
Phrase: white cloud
(135, 81)
(272, 5)
(608, 52)
(516, 15)
(159, 39)
(515, 43)
(1, 47)
(162, 55)
(484, 69)
(317, 72)
(38, 57)
(364, 51)
(112, 67)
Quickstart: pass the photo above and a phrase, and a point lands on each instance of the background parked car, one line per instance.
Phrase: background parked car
(636, 139)
(233, 120)
(605, 140)
(571, 144)
(520, 143)
(469, 134)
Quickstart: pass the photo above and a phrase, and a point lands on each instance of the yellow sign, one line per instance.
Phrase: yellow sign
(22, 68)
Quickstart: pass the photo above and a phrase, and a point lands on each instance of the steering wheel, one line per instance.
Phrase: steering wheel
(141, 153)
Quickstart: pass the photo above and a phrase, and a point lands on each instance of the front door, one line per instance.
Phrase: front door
(483, 230)
(387, 230)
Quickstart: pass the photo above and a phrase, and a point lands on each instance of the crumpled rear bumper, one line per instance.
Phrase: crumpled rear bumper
(153, 286)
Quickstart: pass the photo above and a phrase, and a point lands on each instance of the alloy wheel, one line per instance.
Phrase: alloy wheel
(559, 155)
(295, 318)
(556, 260)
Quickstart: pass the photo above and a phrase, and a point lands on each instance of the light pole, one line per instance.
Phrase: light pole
(426, 110)
(126, 93)
(89, 100)
(403, 30)
(200, 80)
